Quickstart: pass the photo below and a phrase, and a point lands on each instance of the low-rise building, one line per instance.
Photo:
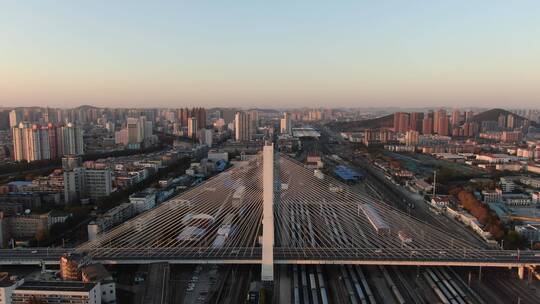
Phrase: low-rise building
(440, 202)
(58, 217)
(29, 200)
(496, 158)
(96, 273)
(531, 182)
(507, 185)
(57, 292)
(28, 225)
(535, 197)
(7, 285)
(530, 232)
(422, 186)
(143, 201)
(469, 220)
(519, 199)
(97, 183)
(492, 196)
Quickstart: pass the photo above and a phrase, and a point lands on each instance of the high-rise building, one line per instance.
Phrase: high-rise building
(18, 143)
(412, 138)
(511, 122)
(470, 129)
(200, 114)
(401, 122)
(192, 127)
(427, 125)
(53, 141)
(455, 120)
(134, 130)
(440, 122)
(206, 137)
(121, 137)
(31, 142)
(443, 126)
(385, 136)
(254, 122)
(241, 126)
(502, 121)
(148, 129)
(71, 140)
(228, 115)
(285, 124)
(184, 115)
(469, 116)
(415, 121)
(15, 117)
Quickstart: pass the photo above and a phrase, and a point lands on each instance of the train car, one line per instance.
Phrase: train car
(318, 174)
(380, 226)
(238, 196)
(404, 237)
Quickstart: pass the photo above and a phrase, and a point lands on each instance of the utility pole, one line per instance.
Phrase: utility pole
(434, 182)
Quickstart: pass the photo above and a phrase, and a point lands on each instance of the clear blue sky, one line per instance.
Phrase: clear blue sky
(271, 53)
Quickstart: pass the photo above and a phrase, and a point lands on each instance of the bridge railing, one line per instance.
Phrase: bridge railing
(409, 254)
(176, 253)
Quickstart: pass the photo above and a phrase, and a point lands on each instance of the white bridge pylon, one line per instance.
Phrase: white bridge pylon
(267, 265)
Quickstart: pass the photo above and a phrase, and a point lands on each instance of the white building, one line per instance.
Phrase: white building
(532, 182)
(507, 185)
(492, 196)
(15, 118)
(206, 137)
(30, 142)
(73, 184)
(440, 202)
(97, 183)
(517, 199)
(242, 126)
(142, 201)
(496, 158)
(80, 182)
(285, 124)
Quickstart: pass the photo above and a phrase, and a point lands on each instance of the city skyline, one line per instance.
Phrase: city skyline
(259, 55)
(269, 152)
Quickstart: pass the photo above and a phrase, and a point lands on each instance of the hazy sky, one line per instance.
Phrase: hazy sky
(270, 53)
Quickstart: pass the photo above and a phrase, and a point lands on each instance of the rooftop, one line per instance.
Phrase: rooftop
(95, 272)
(57, 286)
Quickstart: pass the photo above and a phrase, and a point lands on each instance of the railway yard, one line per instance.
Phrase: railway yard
(320, 284)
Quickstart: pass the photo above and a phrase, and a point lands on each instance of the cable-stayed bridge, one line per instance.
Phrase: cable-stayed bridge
(271, 210)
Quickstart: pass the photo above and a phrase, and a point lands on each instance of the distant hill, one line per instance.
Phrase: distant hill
(388, 121)
(493, 115)
(383, 121)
